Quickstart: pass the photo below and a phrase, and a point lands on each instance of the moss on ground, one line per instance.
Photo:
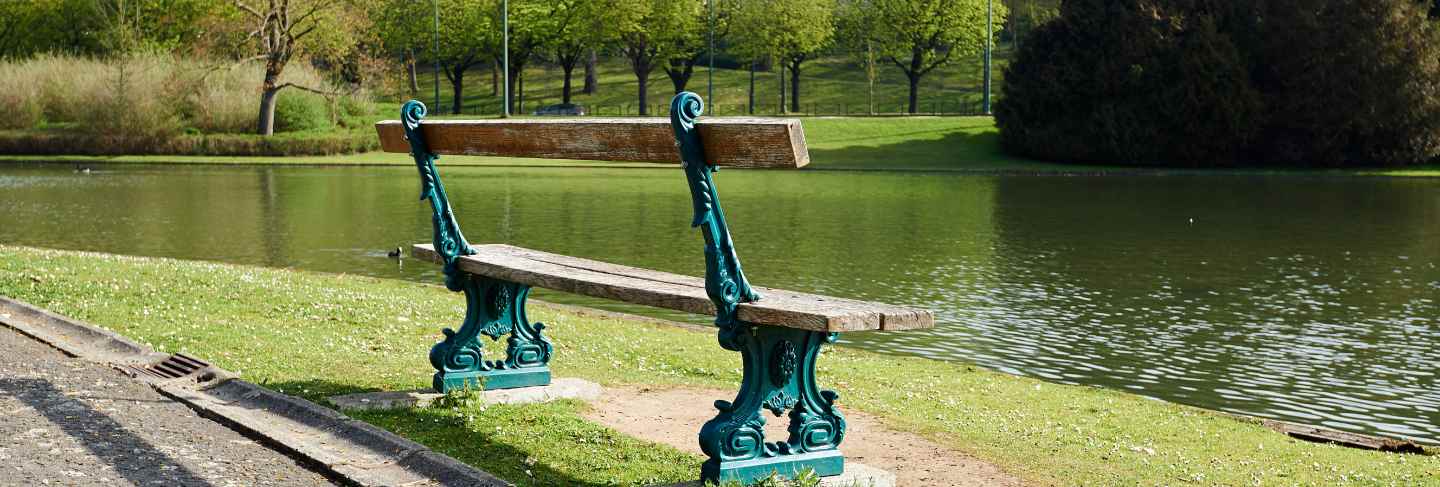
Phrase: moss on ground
(316, 335)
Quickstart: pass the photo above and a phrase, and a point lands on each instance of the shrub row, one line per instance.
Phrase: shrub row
(32, 142)
(1222, 83)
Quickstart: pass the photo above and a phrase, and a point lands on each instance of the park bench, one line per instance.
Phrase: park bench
(778, 333)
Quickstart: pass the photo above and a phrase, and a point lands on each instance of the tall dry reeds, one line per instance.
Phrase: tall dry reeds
(153, 96)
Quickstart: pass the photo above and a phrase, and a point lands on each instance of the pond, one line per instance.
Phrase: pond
(1309, 299)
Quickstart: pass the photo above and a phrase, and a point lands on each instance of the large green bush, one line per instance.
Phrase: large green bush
(297, 111)
(1215, 83)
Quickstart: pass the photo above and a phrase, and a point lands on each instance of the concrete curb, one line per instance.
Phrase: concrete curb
(74, 338)
(346, 449)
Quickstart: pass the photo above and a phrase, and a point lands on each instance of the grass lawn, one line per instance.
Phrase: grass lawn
(901, 143)
(316, 335)
(960, 144)
(828, 86)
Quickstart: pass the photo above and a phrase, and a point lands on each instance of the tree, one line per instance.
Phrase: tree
(1218, 83)
(468, 37)
(534, 26)
(586, 26)
(692, 41)
(402, 26)
(791, 30)
(100, 27)
(918, 36)
(284, 29)
(27, 28)
(158, 25)
(1380, 57)
(654, 31)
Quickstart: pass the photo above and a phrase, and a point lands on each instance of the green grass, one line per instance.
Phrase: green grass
(316, 335)
(828, 86)
(908, 143)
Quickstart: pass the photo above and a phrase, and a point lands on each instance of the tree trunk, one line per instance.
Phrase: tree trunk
(917, 59)
(752, 87)
(781, 77)
(643, 80)
(565, 88)
(266, 124)
(678, 80)
(513, 76)
(457, 84)
(870, 73)
(592, 83)
(494, 79)
(410, 69)
(519, 92)
(914, 91)
(795, 85)
(269, 90)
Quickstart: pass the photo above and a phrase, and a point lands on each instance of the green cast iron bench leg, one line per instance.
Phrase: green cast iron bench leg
(493, 307)
(779, 377)
(779, 362)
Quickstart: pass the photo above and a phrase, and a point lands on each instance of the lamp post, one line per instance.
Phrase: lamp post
(989, 38)
(505, 50)
(710, 83)
(435, 52)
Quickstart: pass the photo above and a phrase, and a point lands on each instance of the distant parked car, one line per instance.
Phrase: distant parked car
(562, 109)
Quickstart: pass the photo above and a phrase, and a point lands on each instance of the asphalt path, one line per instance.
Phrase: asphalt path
(65, 421)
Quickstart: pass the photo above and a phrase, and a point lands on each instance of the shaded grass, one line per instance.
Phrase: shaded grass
(316, 335)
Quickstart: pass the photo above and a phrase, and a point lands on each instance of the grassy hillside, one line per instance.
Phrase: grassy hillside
(829, 86)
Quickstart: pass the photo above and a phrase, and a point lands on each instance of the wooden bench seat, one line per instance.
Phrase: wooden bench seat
(678, 292)
(776, 143)
(778, 333)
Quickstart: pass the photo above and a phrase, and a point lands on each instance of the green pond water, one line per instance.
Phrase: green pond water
(1310, 299)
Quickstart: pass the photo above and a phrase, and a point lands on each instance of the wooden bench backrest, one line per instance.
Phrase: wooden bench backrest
(731, 142)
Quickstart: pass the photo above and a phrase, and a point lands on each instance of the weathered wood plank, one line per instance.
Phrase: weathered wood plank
(1345, 438)
(673, 291)
(733, 142)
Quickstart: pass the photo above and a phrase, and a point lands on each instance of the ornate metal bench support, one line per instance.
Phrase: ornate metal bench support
(779, 377)
(779, 374)
(493, 307)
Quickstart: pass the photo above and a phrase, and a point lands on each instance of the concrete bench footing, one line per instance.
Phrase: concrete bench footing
(855, 475)
(493, 379)
(566, 388)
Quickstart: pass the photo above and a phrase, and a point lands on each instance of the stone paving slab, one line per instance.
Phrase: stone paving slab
(563, 388)
(67, 421)
(353, 451)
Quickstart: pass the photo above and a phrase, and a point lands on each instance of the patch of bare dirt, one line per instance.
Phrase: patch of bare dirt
(674, 416)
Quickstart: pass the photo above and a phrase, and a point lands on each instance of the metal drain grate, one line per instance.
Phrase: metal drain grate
(173, 367)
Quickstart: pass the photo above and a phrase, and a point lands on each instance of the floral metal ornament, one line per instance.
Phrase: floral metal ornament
(493, 307)
(779, 362)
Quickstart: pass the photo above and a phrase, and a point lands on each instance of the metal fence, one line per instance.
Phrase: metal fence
(960, 107)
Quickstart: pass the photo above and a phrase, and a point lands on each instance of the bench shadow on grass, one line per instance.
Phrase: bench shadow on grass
(131, 456)
(478, 444)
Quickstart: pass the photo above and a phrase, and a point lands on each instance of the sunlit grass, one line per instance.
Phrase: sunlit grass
(316, 335)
